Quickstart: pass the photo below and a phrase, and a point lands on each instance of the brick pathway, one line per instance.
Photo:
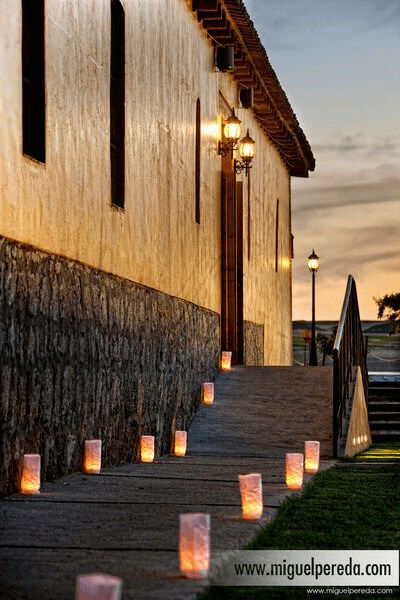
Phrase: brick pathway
(125, 520)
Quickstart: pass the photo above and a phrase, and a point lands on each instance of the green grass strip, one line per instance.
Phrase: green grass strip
(378, 452)
(344, 508)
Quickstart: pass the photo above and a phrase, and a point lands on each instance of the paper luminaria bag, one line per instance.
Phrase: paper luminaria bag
(92, 456)
(294, 470)
(311, 456)
(147, 448)
(97, 586)
(226, 359)
(180, 443)
(251, 493)
(30, 480)
(194, 544)
(208, 392)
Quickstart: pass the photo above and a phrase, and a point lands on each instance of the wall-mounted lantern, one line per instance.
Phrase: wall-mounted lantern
(194, 544)
(246, 152)
(92, 456)
(147, 448)
(246, 148)
(30, 480)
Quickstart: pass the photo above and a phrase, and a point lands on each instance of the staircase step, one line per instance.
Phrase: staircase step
(385, 435)
(392, 407)
(384, 424)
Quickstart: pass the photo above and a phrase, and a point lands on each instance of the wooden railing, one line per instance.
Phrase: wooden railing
(348, 352)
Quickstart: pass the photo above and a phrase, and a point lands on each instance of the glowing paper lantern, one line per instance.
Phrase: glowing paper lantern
(147, 448)
(311, 457)
(294, 470)
(208, 392)
(30, 480)
(251, 492)
(180, 443)
(92, 456)
(194, 544)
(226, 359)
(97, 586)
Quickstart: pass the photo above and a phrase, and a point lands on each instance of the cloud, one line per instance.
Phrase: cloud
(361, 194)
(347, 144)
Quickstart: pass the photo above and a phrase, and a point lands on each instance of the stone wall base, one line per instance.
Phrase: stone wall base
(253, 342)
(88, 355)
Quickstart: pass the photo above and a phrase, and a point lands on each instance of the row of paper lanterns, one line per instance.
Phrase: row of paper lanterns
(194, 530)
(30, 480)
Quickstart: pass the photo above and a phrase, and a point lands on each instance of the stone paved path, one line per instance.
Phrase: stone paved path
(125, 520)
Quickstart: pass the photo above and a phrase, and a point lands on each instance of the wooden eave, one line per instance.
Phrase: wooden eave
(228, 24)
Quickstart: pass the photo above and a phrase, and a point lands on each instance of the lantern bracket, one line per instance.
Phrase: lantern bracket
(241, 165)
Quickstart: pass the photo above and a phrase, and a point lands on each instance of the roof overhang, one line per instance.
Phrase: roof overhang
(227, 23)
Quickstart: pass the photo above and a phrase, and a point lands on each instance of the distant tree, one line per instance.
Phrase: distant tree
(389, 308)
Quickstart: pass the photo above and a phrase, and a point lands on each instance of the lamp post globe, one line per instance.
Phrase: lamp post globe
(313, 265)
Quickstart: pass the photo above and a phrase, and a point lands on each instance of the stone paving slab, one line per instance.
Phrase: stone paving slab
(125, 520)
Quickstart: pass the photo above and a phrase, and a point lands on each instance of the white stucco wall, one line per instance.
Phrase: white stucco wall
(64, 206)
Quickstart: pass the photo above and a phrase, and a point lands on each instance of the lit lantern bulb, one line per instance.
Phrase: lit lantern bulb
(294, 470)
(208, 392)
(92, 456)
(194, 544)
(97, 586)
(30, 480)
(180, 443)
(147, 448)
(311, 456)
(226, 359)
(251, 493)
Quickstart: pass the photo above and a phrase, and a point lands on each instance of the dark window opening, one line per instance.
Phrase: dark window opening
(33, 80)
(117, 104)
(198, 149)
(277, 237)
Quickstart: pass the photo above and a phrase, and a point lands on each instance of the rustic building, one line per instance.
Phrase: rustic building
(131, 252)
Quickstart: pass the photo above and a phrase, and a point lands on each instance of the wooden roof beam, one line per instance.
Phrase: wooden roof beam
(204, 5)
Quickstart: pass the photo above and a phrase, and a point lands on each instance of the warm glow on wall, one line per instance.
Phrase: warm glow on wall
(226, 359)
(92, 456)
(180, 443)
(208, 392)
(30, 480)
(311, 456)
(147, 448)
(294, 470)
(97, 586)
(251, 492)
(194, 544)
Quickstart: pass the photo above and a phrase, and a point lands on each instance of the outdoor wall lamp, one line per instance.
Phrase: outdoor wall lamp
(313, 265)
(232, 135)
(246, 152)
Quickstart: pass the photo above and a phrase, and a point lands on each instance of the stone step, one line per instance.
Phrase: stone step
(392, 435)
(392, 407)
(383, 417)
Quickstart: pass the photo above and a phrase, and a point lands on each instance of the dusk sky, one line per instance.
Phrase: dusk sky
(338, 62)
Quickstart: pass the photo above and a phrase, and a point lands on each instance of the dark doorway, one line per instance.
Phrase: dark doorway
(232, 266)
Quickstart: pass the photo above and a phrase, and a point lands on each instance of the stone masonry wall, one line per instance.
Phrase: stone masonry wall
(86, 355)
(253, 342)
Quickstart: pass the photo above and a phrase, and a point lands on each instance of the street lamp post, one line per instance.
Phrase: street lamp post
(313, 265)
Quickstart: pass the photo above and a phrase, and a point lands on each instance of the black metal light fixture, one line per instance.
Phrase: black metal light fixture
(246, 153)
(232, 135)
(313, 265)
